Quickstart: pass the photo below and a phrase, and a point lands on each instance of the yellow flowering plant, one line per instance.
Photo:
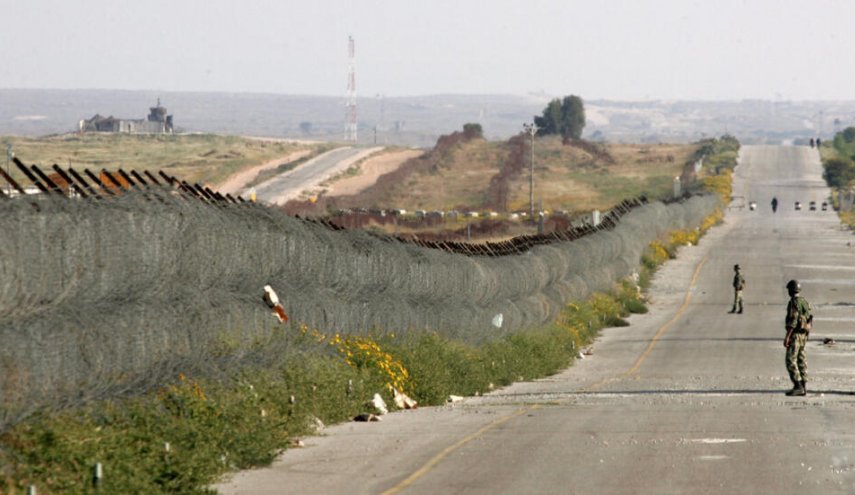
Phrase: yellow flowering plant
(366, 353)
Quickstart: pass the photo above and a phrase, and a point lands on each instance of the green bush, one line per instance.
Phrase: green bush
(718, 154)
(473, 131)
(838, 172)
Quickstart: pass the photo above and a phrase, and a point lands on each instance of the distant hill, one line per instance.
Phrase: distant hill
(420, 120)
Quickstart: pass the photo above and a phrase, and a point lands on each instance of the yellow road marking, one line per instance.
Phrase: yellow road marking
(670, 322)
(659, 333)
(439, 457)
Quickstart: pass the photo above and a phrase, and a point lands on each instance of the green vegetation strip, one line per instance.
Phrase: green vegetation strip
(838, 161)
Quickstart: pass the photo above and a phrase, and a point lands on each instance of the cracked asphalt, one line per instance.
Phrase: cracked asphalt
(688, 399)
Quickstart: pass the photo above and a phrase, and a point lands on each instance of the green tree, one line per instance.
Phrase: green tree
(473, 131)
(565, 117)
(849, 134)
(572, 117)
(838, 172)
(550, 122)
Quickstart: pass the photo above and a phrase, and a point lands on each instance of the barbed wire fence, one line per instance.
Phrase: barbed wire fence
(106, 298)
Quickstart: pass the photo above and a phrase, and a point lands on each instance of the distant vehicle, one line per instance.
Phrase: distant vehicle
(812, 206)
(752, 205)
(824, 205)
(798, 205)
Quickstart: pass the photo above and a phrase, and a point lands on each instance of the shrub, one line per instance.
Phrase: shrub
(473, 131)
(838, 172)
(720, 184)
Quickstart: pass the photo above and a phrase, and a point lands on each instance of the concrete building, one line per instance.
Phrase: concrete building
(157, 122)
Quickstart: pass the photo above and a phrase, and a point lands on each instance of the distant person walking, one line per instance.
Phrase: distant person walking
(812, 143)
(798, 323)
(774, 204)
(738, 285)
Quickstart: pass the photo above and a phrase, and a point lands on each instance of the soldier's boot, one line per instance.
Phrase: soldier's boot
(798, 390)
(740, 309)
(804, 386)
(733, 309)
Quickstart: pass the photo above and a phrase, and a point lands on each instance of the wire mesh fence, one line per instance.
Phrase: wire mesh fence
(99, 298)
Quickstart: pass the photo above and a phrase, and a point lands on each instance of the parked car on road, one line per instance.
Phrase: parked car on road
(812, 206)
(798, 205)
(824, 205)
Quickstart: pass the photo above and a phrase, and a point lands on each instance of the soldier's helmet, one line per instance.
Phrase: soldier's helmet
(736, 267)
(794, 287)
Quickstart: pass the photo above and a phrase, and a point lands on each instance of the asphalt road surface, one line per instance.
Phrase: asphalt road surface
(289, 185)
(688, 399)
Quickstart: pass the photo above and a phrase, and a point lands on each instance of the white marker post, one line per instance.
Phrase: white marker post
(98, 476)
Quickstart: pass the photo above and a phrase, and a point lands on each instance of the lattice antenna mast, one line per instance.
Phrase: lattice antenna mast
(350, 112)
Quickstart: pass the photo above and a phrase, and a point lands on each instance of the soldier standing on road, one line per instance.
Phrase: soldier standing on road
(738, 285)
(798, 323)
(774, 204)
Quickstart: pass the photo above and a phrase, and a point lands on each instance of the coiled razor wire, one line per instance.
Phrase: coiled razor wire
(103, 298)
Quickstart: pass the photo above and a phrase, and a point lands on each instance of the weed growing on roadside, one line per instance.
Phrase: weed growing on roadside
(365, 353)
(720, 184)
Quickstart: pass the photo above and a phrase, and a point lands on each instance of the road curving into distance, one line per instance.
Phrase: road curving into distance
(289, 185)
(688, 399)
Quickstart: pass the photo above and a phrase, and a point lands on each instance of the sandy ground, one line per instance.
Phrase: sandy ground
(370, 170)
(237, 182)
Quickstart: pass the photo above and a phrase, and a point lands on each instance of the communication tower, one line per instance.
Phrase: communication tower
(350, 112)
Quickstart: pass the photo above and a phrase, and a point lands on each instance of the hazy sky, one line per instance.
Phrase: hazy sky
(633, 49)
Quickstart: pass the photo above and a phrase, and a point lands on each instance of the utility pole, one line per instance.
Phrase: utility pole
(531, 129)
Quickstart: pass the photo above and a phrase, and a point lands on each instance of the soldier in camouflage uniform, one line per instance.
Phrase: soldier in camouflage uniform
(738, 285)
(798, 323)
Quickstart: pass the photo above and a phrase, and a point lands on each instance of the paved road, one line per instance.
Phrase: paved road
(289, 185)
(686, 400)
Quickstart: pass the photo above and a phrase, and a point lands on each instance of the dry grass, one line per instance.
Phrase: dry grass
(203, 158)
(565, 177)
(461, 178)
(569, 178)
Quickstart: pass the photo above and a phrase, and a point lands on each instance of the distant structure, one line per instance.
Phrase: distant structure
(157, 122)
(350, 112)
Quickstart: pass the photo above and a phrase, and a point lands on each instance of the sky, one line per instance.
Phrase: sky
(598, 49)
